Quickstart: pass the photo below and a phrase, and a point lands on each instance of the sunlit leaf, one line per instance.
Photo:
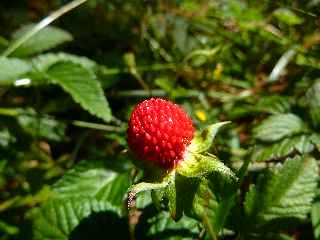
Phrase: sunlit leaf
(83, 86)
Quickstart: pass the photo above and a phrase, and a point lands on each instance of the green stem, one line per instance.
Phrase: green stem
(12, 112)
(243, 170)
(209, 228)
(148, 68)
(96, 126)
(42, 24)
(9, 112)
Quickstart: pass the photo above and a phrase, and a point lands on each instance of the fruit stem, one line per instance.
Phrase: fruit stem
(141, 187)
(209, 229)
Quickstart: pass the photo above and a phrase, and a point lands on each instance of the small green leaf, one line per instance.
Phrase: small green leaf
(83, 86)
(286, 191)
(278, 126)
(286, 16)
(11, 69)
(203, 141)
(201, 56)
(57, 218)
(45, 39)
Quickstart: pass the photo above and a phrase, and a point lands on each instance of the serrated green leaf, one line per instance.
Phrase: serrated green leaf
(313, 101)
(44, 61)
(83, 86)
(115, 190)
(300, 144)
(278, 126)
(91, 178)
(286, 191)
(45, 39)
(57, 218)
(11, 69)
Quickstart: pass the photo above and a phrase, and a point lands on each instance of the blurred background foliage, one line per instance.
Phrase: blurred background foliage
(67, 92)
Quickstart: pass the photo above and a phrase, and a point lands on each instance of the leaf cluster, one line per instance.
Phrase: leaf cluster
(67, 89)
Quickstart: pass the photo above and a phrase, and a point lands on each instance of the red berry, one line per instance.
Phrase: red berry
(159, 132)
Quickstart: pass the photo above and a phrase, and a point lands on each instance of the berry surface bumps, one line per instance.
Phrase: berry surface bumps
(159, 132)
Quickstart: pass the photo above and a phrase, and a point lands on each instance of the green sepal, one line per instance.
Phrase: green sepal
(211, 205)
(203, 141)
(198, 180)
(198, 165)
(177, 196)
(147, 186)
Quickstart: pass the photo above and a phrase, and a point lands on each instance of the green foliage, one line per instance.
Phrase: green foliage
(155, 225)
(313, 101)
(315, 218)
(298, 144)
(284, 192)
(287, 16)
(82, 86)
(45, 39)
(43, 62)
(278, 126)
(88, 188)
(203, 141)
(11, 69)
(67, 90)
(41, 126)
(91, 179)
(56, 219)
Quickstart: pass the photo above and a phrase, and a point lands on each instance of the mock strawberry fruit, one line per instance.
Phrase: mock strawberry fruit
(159, 132)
